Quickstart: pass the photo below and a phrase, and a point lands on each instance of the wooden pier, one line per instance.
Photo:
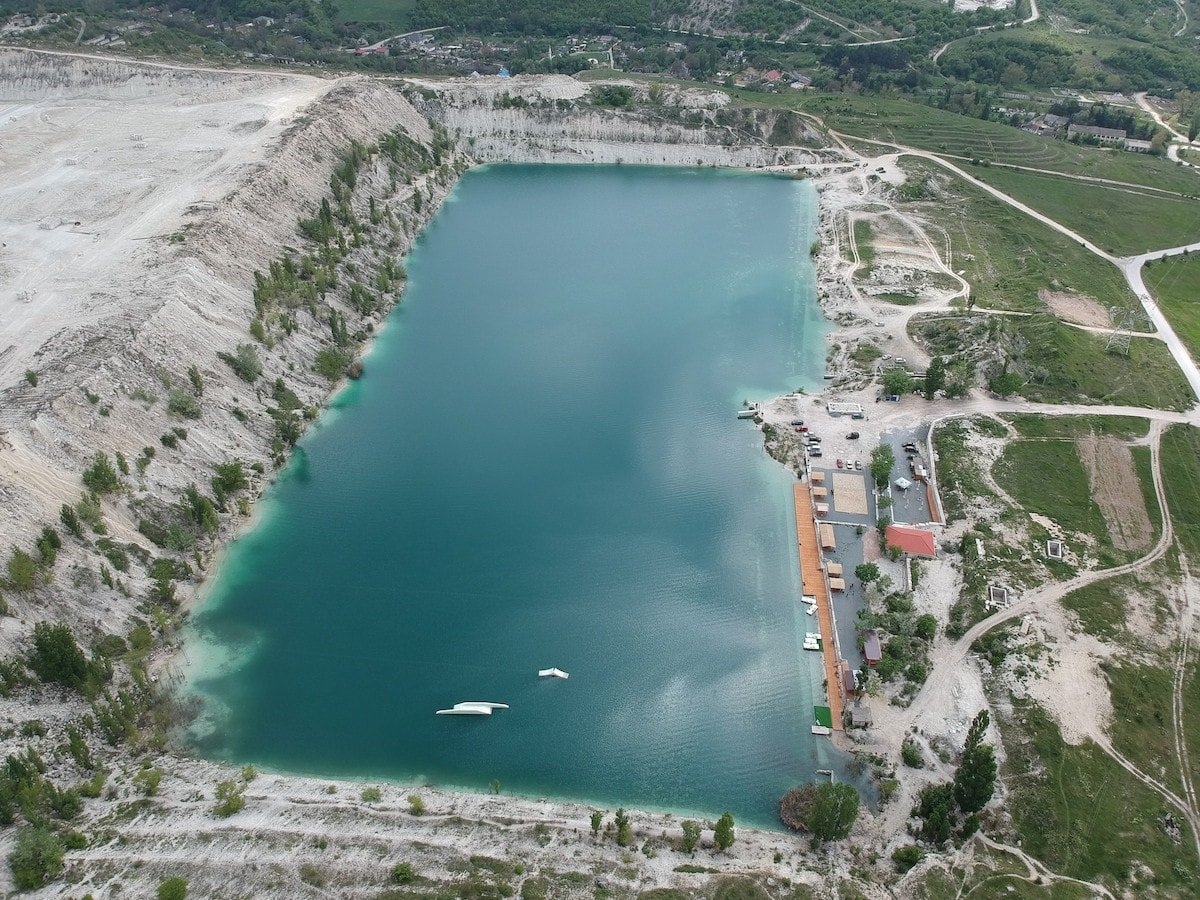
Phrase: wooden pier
(812, 574)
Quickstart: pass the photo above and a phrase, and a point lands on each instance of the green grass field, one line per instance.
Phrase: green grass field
(1070, 427)
(1118, 220)
(927, 128)
(391, 12)
(1181, 482)
(1084, 816)
(1175, 284)
(1142, 725)
(1101, 608)
(1048, 478)
(1069, 365)
(866, 250)
(1007, 257)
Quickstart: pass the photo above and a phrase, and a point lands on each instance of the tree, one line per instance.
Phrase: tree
(935, 377)
(597, 821)
(826, 811)
(70, 520)
(898, 382)
(883, 458)
(101, 477)
(934, 806)
(624, 829)
(691, 836)
(174, 888)
(866, 572)
(926, 627)
(37, 858)
(723, 834)
(975, 778)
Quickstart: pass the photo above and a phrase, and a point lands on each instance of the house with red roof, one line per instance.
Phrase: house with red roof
(913, 541)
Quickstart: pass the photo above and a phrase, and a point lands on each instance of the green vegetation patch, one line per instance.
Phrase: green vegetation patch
(960, 478)
(1006, 256)
(863, 240)
(1031, 425)
(1084, 816)
(1142, 725)
(1175, 284)
(1048, 478)
(1181, 481)
(1120, 220)
(1100, 607)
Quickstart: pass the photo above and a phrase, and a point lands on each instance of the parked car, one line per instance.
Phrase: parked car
(858, 465)
(840, 463)
(815, 451)
(852, 436)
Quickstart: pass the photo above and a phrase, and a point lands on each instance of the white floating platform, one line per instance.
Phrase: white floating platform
(822, 729)
(481, 704)
(553, 673)
(465, 711)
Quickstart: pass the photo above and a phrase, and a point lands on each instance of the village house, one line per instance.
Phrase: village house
(1107, 136)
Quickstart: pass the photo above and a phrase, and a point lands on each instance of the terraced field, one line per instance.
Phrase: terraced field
(928, 128)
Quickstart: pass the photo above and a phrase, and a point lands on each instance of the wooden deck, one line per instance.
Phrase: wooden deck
(813, 578)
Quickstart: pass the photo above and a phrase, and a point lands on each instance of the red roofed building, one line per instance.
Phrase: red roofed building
(914, 541)
(773, 76)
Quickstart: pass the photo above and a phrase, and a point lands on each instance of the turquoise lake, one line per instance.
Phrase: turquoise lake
(542, 467)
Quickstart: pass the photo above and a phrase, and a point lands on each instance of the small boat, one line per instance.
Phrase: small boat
(465, 711)
(747, 413)
(822, 729)
(553, 673)
(480, 704)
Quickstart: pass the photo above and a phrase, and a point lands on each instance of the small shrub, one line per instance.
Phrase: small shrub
(101, 477)
(249, 773)
(174, 888)
(245, 362)
(32, 377)
(403, 873)
(371, 795)
(148, 779)
(911, 755)
(310, 874)
(184, 404)
(70, 520)
(169, 441)
(416, 805)
(906, 857)
(22, 570)
(230, 799)
(332, 362)
(197, 381)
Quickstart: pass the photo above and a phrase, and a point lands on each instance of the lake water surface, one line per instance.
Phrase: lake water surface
(541, 468)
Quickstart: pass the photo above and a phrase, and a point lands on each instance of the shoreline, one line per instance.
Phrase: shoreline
(185, 669)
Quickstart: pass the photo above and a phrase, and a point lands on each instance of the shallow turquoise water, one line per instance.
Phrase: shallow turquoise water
(541, 468)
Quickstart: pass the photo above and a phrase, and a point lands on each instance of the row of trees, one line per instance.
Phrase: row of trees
(955, 806)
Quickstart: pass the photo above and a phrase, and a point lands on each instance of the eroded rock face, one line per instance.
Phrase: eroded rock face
(139, 202)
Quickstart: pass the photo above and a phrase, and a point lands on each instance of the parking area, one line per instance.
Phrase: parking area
(909, 506)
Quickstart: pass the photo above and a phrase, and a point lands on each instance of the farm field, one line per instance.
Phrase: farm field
(1175, 285)
(1005, 255)
(1118, 220)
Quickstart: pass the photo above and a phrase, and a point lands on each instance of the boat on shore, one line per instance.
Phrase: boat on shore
(554, 672)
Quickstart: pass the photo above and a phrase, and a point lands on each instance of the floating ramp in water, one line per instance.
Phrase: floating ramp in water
(553, 673)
